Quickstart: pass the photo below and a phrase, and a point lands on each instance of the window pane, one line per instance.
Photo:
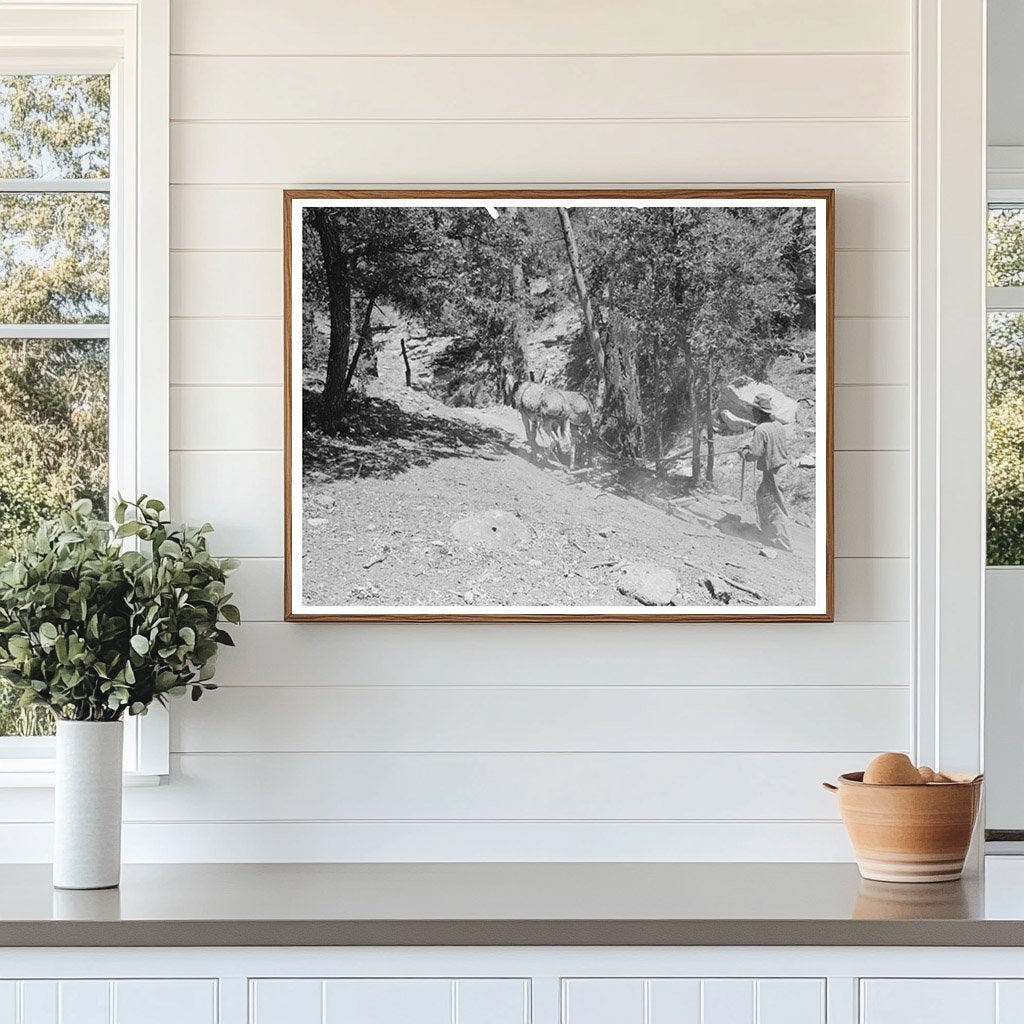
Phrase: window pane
(54, 257)
(1005, 246)
(54, 126)
(53, 449)
(1006, 439)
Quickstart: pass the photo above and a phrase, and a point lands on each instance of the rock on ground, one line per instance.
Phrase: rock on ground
(492, 530)
(649, 583)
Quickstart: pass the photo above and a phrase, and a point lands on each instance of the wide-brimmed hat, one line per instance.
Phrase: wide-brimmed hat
(763, 401)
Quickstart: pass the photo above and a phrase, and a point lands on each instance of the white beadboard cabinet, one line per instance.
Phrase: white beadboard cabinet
(105, 1001)
(513, 985)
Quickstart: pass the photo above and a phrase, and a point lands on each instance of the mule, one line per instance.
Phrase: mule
(581, 426)
(543, 410)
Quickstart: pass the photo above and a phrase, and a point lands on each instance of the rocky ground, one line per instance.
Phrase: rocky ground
(422, 504)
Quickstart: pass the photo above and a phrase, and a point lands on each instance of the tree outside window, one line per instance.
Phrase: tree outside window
(1005, 487)
(54, 308)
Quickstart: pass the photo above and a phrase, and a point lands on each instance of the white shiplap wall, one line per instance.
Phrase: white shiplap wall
(539, 742)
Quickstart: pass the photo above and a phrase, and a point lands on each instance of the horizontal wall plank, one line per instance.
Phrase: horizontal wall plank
(536, 26)
(867, 589)
(258, 586)
(539, 88)
(234, 284)
(209, 418)
(536, 152)
(872, 589)
(459, 842)
(868, 216)
(238, 418)
(873, 283)
(872, 418)
(242, 494)
(581, 654)
(227, 352)
(869, 350)
(376, 787)
(872, 350)
(872, 504)
(492, 719)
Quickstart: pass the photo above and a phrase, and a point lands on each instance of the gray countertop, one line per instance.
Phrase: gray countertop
(502, 904)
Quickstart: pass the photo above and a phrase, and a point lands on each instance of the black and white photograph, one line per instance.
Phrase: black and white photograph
(559, 405)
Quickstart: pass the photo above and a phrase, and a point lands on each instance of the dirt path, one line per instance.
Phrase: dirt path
(431, 505)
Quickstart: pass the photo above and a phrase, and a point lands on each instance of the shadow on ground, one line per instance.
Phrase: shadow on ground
(379, 438)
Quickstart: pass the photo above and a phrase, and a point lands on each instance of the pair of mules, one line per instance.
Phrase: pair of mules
(566, 417)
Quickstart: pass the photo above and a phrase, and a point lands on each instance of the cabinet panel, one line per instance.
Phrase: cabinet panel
(101, 1001)
(38, 1002)
(286, 1001)
(728, 1001)
(8, 1002)
(1010, 1002)
(388, 1001)
(674, 1000)
(492, 1001)
(929, 1001)
(693, 1001)
(165, 1002)
(84, 1002)
(791, 1001)
(603, 1001)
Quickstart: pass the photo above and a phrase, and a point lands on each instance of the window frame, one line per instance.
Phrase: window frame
(130, 41)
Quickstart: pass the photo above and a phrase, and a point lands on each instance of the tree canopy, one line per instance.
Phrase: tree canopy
(672, 300)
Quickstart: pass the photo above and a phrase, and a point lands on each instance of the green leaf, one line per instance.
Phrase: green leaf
(18, 646)
(48, 631)
(140, 644)
(170, 549)
(231, 613)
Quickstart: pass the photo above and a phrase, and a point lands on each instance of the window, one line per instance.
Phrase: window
(1005, 480)
(54, 309)
(84, 125)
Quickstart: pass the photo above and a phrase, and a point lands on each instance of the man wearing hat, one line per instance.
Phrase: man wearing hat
(768, 449)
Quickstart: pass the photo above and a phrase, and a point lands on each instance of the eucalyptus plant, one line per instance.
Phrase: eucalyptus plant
(98, 619)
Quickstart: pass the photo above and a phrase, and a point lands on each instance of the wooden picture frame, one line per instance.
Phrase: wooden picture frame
(734, 587)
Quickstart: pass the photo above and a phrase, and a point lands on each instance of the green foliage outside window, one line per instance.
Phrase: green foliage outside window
(54, 269)
(1005, 483)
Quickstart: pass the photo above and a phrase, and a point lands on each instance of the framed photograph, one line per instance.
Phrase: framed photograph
(559, 405)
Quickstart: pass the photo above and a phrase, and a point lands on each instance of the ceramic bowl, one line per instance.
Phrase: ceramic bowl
(909, 833)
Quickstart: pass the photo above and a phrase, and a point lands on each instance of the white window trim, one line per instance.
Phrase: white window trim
(949, 445)
(131, 41)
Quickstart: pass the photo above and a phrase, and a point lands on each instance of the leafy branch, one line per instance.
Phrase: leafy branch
(91, 629)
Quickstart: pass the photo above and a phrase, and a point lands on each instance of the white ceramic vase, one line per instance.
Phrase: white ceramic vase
(87, 807)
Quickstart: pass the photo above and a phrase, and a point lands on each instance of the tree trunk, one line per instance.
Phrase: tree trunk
(709, 422)
(691, 378)
(365, 339)
(659, 408)
(408, 368)
(339, 301)
(690, 362)
(621, 419)
(521, 348)
(589, 324)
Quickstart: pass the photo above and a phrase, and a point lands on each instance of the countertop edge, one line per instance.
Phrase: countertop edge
(240, 933)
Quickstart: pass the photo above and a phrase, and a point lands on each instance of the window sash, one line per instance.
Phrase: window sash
(130, 42)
